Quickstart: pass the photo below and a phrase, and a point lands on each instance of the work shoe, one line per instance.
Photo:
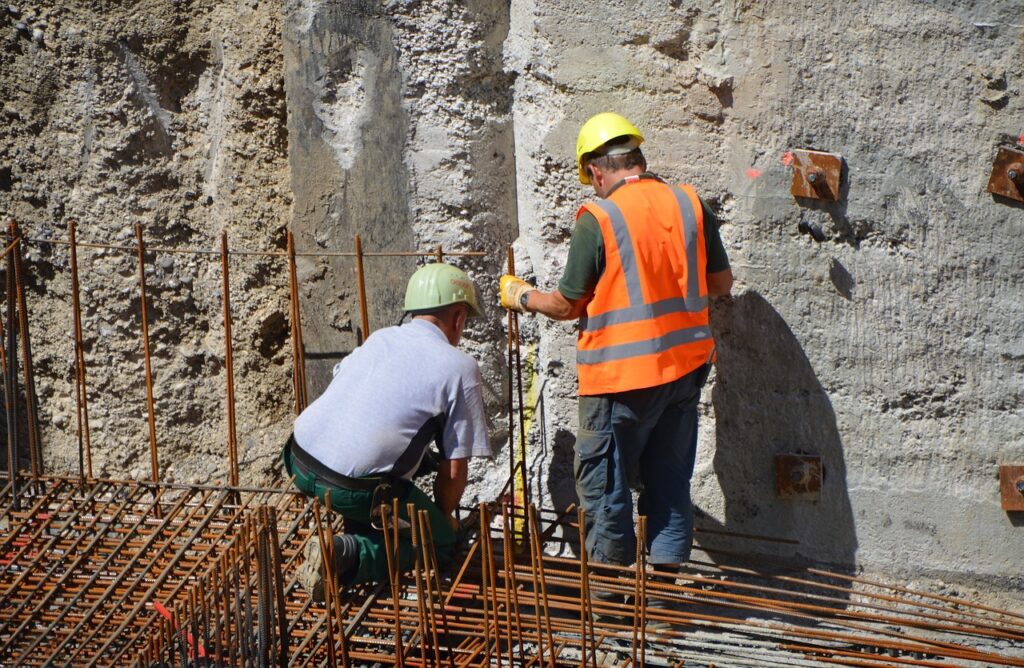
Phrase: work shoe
(611, 608)
(311, 573)
(657, 607)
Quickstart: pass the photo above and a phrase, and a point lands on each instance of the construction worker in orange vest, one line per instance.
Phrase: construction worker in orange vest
(643, 261)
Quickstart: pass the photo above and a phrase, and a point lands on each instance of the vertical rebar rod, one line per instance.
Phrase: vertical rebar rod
(331, 586)
(231, 631)
(229, 365)
(391, 552)
(328, 575)
(11, 383)
(422, 622)
(35, 451)
(641, 574)
(440, 253)
(514, 325)
(81, 388)
(539, 583)
(511, 586)
(364, 317)
(278, 572)
(492, 575)
(431, 556)
(263, 624)
(485, 585)
(298, 351)
(509, 406)
(585, 620)
(141, 248)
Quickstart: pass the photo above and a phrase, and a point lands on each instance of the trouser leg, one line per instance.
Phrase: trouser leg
(611, 437)
(355, 507)
(666, 469)
(373, 560)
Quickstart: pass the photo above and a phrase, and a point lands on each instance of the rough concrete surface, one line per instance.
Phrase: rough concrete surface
(170, 115)
(883, 332)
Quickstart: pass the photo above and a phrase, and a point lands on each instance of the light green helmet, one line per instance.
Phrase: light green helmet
(438, 284)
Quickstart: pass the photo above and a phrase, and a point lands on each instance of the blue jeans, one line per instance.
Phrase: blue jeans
(647, 439)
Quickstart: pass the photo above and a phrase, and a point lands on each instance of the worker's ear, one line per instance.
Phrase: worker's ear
(459, 323)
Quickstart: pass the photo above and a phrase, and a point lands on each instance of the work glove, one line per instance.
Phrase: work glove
(512, 289)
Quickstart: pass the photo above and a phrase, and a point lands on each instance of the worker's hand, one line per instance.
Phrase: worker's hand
(512, 290)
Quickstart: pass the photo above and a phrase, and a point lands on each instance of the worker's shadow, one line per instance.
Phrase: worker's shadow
(768, 401)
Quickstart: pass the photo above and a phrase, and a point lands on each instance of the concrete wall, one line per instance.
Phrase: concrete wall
(893, 346)
(401, 131)
(170, 115)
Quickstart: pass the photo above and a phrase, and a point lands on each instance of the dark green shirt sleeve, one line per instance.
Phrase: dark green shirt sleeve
(713, 247)
(585, 263)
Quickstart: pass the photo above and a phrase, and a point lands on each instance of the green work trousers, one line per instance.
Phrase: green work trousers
(355, 507)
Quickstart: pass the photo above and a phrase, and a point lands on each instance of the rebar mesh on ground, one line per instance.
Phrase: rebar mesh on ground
(135, 574)
(88, 568)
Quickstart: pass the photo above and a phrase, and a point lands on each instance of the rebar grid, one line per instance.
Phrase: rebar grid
(119, 573)
(94, 576)
(87, 565)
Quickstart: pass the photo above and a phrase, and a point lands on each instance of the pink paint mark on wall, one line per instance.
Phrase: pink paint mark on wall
(753, 173)
(787, 158)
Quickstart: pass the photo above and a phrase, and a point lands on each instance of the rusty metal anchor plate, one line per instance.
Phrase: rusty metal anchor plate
(816, 174)
(1011, 487)
(798, 477)
(1008, 174)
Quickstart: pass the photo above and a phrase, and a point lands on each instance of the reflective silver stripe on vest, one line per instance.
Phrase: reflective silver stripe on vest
(690, 239)
(643, 312)
(648, 347)
(625, 245)
(637, 310)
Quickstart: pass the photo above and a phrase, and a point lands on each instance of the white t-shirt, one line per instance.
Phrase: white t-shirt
(385, 392)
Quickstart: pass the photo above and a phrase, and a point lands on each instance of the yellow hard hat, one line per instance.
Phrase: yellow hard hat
(598, 131)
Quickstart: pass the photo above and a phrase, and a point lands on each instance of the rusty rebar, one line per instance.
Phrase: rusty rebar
(298, 349)
(31, 399)
(11, 379)
(150, 412)
(516, 349)
(229, 365)
(281, 254)
(81, 386)
(364, 317)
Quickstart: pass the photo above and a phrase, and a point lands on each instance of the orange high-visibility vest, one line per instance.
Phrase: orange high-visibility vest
(647, 323)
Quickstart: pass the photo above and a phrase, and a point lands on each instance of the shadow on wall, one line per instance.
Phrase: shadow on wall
(768, 401)
(561, 484)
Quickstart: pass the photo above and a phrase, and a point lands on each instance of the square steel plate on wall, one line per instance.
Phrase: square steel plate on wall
(1007, 177)
(1011, 487)
(798, 477)
(816, 174)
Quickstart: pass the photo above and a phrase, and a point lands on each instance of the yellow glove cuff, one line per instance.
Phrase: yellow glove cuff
(512, 289)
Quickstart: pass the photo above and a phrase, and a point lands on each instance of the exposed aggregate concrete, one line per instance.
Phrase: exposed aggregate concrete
(884, 333)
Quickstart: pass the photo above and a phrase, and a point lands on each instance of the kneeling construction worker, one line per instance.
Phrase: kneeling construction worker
(365, 437)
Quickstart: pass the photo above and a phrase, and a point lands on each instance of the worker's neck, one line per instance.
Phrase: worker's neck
(449, 329)
(609, 180)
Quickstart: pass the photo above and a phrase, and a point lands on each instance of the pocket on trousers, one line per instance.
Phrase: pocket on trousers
(591, 466)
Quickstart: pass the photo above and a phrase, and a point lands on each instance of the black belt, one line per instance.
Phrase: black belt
(302, 459)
